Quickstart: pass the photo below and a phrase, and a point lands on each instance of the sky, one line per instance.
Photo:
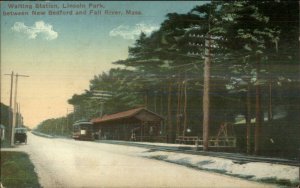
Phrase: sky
(61, 53)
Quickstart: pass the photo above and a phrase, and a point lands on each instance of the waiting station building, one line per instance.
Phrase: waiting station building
(137, 124)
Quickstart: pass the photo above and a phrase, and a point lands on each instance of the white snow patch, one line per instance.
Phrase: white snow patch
(253, 170)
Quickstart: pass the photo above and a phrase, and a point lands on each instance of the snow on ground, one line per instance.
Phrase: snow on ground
(255, 170)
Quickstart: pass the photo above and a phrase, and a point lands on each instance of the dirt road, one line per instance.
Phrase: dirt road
(70, 163)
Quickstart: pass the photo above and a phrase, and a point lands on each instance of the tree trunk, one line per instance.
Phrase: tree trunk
(258, 111)
(206, 98)
(185, 108)
(248, 119)
(161, 103)
(170, 126)
(270, 113)
(146, 100)
(155, 102)
(178, 115)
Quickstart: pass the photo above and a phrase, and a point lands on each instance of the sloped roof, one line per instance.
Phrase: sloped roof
(122, 115)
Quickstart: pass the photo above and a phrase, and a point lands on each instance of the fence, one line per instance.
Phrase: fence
(212, 142)
(150, 138)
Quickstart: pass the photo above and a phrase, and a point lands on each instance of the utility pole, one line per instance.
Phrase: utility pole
(15, 101)
(19, 122)
(206, 90)
(10, 110)
(67, 128)
(206, 84)
(56, 128)
(208, 44)
(102, 96)
(62, 126)
(17, 116)
(101, 108)
(67, 120)
(10, 117)
(13, 117)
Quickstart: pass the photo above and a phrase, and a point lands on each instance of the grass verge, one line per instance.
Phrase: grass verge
(5, 144)
(17, 170)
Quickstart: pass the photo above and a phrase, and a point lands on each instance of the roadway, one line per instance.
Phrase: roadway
(70, 163)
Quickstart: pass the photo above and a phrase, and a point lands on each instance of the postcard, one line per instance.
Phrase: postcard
(150, 94)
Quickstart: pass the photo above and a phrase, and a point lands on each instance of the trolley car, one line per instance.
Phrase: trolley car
(83, 130)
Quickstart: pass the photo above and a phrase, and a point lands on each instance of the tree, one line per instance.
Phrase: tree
(232, 40)
(253, 41)
(157, 56)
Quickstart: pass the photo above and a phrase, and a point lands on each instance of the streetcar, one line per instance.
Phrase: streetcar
(83, 130)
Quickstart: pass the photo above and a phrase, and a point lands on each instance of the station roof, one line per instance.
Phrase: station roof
(127, 114)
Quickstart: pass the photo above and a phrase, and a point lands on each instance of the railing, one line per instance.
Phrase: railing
(212, 142)
(222, 142)
(186, 139)
(150, 139)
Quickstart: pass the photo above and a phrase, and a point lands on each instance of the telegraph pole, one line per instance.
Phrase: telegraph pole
(206, 97)
(67, 120)
(62, 126)
(101, 96)
(206, 83)
(14, 122)
(17, 116)
(10, 117)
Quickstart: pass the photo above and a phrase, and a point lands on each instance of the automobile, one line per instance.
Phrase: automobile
(21, 135)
